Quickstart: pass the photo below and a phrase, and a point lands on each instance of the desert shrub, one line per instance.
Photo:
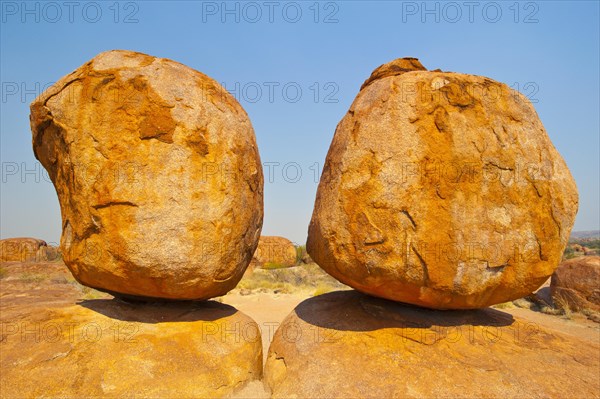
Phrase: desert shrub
(300, 253)
(569, 253)
(594, 244)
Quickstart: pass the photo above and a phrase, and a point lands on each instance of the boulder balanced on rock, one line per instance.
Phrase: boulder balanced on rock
(157, 173)
(443, 190)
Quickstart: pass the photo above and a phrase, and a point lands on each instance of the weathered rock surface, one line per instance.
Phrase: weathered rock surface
(52, 347)
(373, 348)
(26, 250)
(157, 173)
(442, 190)
(576, 284)
(275, 251)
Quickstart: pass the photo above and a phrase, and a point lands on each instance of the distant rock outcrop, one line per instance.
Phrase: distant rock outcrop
(26, 250)
(374, 348)
(442, 190)
(273, 251)
(157, 173)
(576, 284)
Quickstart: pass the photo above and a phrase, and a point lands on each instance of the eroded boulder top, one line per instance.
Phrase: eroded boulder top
(394, 68)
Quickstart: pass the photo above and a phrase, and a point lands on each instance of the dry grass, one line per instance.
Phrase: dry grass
(90, 293)
(323, 289)
(504, 305)
(29, 277)
(551, 311)
(308, 278)
(523, 303)
(561, 307)
(273, 266)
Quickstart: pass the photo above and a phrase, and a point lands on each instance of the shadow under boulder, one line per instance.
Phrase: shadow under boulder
(347, 344)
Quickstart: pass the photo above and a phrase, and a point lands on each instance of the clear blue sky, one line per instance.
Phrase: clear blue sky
(548, 49)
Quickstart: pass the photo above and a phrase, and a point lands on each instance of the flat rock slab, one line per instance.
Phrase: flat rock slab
(110, 348)
(347, 344)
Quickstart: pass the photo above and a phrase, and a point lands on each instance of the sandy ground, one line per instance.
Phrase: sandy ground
(268, 310)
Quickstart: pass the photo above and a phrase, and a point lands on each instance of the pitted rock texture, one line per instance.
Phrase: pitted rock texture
(157, 173)
(442, 190)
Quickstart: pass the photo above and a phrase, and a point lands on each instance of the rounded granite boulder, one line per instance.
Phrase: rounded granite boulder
(274, 252)
(157, 173)
(443, 190)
